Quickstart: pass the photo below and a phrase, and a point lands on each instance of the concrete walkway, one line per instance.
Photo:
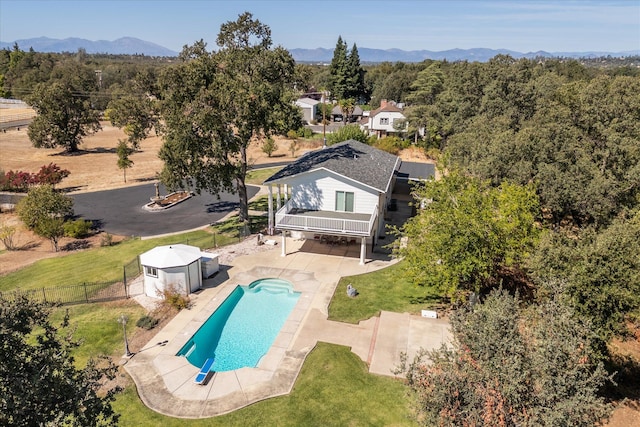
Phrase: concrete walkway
(165, 382)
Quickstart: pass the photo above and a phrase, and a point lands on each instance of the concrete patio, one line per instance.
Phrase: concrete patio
(165, 382)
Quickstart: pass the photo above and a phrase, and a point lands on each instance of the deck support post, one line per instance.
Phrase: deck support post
(270, 203)
(363, 250)
(278, 198)
(284, 243)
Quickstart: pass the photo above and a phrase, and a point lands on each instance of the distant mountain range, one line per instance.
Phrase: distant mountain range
(134, 46)
(121, 46)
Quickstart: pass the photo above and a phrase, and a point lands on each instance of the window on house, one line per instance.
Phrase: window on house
(344, 201)
(150, 271)
(384, 120)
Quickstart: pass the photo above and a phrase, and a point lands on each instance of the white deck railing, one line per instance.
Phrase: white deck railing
(319, 223)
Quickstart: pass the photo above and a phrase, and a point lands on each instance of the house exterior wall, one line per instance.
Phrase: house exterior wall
(182, 279)
(308, 111)
(375, 122)
(317, 191)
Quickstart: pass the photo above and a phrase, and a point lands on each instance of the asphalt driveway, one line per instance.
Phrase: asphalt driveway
(121, 211)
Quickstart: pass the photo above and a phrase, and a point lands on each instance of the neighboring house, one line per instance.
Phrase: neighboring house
(309, 108)
(381, 121)
(341, 191)
(176, 268)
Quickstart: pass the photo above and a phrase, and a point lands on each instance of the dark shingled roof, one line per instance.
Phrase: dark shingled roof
(353, 159)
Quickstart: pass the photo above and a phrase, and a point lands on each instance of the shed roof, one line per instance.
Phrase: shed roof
(352, 159)
(170, 256)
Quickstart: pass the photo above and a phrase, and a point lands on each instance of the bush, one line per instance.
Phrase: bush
(50, 174)
(7, 235)
(147, 322)
(292, 134)
(391, 144)
(304, 132)
(269, 147)
(106, 240)
(175, 299)
(77, 229)
(345, 133)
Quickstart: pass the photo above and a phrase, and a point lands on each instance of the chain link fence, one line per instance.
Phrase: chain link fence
(109, 291)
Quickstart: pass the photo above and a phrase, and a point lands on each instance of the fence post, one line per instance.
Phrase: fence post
(86, 295)
(44, 296)
(124, 275)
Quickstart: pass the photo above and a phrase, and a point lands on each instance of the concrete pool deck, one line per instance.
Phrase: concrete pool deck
(165, 382)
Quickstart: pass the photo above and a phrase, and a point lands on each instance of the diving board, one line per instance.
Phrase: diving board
(202, 376)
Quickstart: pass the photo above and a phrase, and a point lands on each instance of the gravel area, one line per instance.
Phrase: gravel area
(247, 246)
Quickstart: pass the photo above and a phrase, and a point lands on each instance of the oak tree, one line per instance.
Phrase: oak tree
(40, 383)
(65, 114)
(214, 104)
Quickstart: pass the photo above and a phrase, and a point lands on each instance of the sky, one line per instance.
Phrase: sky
(518, 25)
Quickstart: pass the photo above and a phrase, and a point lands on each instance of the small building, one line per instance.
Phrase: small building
(178, 268)
(309, 108)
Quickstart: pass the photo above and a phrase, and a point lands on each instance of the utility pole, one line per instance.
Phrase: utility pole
(324, 123)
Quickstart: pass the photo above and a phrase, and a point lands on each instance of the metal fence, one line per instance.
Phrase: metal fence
(131, 270)
(75, 294)
(99, 291)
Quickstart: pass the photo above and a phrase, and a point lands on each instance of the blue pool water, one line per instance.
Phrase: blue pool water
(244, 327)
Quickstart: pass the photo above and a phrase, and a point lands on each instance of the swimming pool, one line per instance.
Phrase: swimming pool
(244, 327)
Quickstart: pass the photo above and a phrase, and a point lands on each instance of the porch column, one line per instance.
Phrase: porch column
(363, 250)
(286, 193)
(270, 203)
(284, 243)
(278, 199)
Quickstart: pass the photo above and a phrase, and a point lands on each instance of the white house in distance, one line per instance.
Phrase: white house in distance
(380, 122)
(341, 191)
(180, 268)
(309, 108)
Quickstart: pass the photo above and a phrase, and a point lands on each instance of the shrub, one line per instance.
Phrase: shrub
(106, 240)
(269, 147)
(175, 299)
(147, 322)
(7, 235)
(391, 144)
(293, 147)
(50, 174)
(77, 229)
(292, 134)
(304, 132)
(345, 133)
(16, 181)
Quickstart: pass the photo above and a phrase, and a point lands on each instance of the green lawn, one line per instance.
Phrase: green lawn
(105, 264)
(96, 325)
(334, 388)
(257, 176)
(387, 289)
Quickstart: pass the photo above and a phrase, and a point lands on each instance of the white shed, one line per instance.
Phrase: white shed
(175, 267)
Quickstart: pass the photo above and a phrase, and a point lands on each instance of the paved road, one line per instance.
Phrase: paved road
(120, 211)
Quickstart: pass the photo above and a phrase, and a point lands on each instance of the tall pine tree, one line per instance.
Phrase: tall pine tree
(355, 77)
(338, 80)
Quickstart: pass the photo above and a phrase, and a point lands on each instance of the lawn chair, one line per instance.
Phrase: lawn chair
(203, 376)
